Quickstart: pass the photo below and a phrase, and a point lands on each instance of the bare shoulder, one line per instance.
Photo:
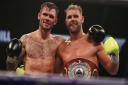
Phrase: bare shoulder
(27, 36)
(64, 44)
(59, 38)
(24, 37)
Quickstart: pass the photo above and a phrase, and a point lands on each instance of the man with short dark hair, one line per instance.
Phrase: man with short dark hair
(38, 48)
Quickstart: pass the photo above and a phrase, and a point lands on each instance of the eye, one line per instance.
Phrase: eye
(69, 17)
(45, 14)
(75, 16)
(51, 16)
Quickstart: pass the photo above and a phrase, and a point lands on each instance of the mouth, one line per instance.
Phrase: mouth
(47, 23)
(73, 23)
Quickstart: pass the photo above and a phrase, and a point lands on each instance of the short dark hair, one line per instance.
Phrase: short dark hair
(50, 5)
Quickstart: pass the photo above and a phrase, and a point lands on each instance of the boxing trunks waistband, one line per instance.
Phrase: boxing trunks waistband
(80, 68)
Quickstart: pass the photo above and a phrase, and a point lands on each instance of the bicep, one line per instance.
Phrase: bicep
(12, 62)
(58, 64)
(23, 40)
(106, 61)
(104, 58)
(23, 51)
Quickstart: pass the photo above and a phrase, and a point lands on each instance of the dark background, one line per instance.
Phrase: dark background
(20, 17)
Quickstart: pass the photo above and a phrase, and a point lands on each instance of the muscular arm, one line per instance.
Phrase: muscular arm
(58, 65)
(13, 61)
(59, 68)
(106, 61)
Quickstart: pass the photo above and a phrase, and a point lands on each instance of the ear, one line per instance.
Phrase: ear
(38, 15)
(55, 21)
(82, 19)
(65, 21)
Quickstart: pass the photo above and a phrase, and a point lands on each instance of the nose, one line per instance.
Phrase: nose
(72, 17)
(47, 18)
(72, 20)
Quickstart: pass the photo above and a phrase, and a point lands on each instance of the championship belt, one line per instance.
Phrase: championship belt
(80, 69)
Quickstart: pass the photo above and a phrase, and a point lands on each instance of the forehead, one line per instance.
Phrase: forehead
(73, 11)
(46, 9)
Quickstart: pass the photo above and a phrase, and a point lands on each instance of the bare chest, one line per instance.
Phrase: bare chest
(80, 49)
(40, 49)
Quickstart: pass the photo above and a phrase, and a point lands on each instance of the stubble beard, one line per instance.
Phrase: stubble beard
(45, 28)
(76, 30)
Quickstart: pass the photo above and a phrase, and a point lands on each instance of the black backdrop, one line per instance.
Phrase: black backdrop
(20, 17)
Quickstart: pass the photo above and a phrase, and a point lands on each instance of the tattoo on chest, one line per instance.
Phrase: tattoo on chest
(40, 49)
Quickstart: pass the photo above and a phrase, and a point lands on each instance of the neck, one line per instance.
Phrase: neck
(44, 33)
(77, 35)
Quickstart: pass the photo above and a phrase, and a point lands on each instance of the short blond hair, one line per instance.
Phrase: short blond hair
(72, 6)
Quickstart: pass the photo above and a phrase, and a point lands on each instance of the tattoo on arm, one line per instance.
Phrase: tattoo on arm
(11, 63)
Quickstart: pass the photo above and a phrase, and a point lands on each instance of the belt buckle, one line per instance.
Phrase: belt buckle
(79, 70)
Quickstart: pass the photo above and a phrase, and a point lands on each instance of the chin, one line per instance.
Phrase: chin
(46, 27)
(73, 30)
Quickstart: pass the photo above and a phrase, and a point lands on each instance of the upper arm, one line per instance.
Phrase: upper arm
(104, 58)
(23, 40)
(106, 61)
(59, 63)
(13, 62)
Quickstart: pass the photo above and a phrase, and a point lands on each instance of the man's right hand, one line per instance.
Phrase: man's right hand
(14, 48)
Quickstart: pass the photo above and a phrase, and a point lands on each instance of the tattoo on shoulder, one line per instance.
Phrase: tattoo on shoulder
(24, 37)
